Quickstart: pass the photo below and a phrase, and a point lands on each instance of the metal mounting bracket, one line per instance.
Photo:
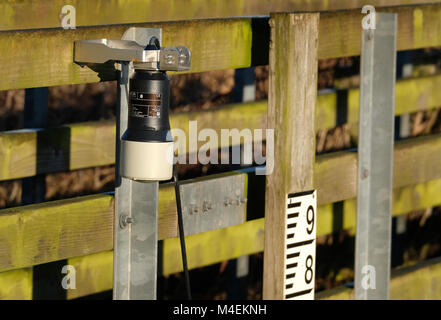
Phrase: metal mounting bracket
(136, 206)
(132, 48)
(213, 204)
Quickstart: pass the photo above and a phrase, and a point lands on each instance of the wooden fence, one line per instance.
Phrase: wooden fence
(81, 229)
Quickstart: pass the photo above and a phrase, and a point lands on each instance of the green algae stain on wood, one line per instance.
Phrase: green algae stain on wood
(16, 284)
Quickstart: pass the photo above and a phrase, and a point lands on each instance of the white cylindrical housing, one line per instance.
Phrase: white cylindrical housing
(149, 161)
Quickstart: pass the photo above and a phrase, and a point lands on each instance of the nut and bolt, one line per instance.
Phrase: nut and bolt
(228, 202)
(125, 220)
(193, 208)
(207, 206)
(239, 201)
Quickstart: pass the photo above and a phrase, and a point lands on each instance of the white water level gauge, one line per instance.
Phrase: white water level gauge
(300, 234)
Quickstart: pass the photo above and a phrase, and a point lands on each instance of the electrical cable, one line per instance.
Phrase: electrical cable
(181, 232)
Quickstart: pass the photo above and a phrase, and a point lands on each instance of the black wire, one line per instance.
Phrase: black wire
(181, 232)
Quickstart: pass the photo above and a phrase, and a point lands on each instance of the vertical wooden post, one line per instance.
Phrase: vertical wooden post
(291, 103)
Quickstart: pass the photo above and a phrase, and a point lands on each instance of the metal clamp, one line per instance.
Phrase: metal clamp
(147, 55)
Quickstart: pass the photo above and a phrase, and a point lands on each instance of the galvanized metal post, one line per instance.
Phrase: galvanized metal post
(375, 159)
(136, 216)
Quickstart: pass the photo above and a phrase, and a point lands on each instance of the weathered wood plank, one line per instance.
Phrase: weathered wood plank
(291, 102)
(57, 230)
(24, 153)
(411, 95)
(94, 144)
(36, 58)
(331, 183)
(415, 160)
(92, 275)
(206, 248)
(16, 284)
(426, 160)
(418, 27)
(248, 115)
(45, 58)
(98, 265)
(94, 271)
(90, 144)
(19, 15)
(418, 282)
(405, 199)
(246, 239)
(421, 281)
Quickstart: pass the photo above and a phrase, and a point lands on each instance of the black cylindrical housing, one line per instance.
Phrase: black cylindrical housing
(149, 100)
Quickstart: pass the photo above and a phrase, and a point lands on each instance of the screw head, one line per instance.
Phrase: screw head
(193, 208)
(364, 173)
(207, 206)
(124, 220)
(228, 202)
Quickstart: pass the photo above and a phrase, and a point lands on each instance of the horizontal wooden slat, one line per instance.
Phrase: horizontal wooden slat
(37, 58)
(241, 116)
(207, 248)
(421, 281)
(24, 153)
(418, 27)
(16, 284)
(342, 216)
(45, 58)
(336, 176)
(330, 219)
(94, 271)
(18, 15)
(56, 230)
(94, 274)
(90, 144)
(415, 160)
(411, 95)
